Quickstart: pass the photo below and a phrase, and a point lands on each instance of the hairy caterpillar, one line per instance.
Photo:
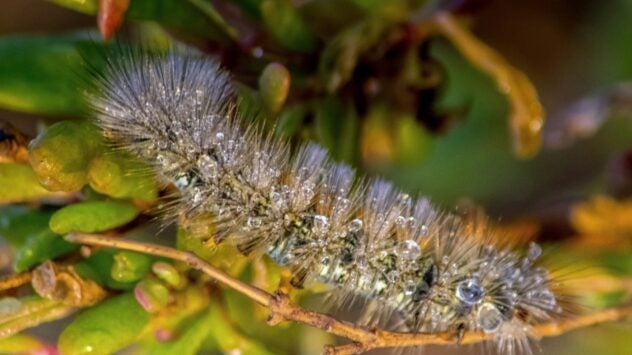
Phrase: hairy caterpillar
(363, 237)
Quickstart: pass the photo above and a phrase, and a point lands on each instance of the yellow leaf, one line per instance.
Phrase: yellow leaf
(604, 217)
(526, 112)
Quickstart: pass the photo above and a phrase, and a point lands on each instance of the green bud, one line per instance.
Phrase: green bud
(274, 86)
(167, 273)
(105, 175)
(98, 267)
(129, 266)
(60, 156)
(151, 295)
(119, 175)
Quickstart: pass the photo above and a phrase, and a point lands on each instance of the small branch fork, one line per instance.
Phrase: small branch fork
(363, 339)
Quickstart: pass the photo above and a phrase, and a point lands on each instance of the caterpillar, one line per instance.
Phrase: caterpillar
(178, 112)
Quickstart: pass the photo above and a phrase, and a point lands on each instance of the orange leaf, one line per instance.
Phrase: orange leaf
(110, 16)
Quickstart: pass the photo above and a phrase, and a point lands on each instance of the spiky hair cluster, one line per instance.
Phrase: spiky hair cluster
(365, 238)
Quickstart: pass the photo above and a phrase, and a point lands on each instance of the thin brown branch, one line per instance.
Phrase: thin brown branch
(363, 339)
(190, 259)
(16, 280)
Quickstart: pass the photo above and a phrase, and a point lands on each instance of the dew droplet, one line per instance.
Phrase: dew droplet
(182, 181)
(411, 222)
(361, 261)
(534, 251)
(489, 317)
(321, 224)
(409, 287)
(277, 199)
(342, 205)
(409, 250)
(161, 160)
(253, 222)
(470, 291)
(197, 195)
(392, 275)
(355, 225)
(208, 167)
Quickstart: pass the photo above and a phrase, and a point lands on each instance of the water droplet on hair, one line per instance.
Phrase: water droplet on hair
(182, 181)
(489, 317)
(409, 250)
(409, 287)
(208, 167)
(355, 225)
(534, 251)
(470, 291)
(219, 137)
(321, 224)
(253, 222)
(392, 275)
(277, 199)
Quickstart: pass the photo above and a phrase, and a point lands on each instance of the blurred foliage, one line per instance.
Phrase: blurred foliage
(389, 87)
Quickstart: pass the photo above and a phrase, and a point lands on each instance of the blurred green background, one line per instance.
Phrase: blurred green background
(446, 138)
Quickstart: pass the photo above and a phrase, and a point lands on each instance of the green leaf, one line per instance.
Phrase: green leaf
(290, 120)
(21, 344)
(60, 156)
(194, 331)
(328, 120)
(129, 266)
(413, 141)
(40, 247)
(336, 127)
(287, 26)
(28, 312)
(339, 58)
(393, 9)
(93, 216)
(17, 223)
(18, 183)
(85, 6)
(228, 337)
(105, 328)
(46, 74)
(251, 7)
(247, 335)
